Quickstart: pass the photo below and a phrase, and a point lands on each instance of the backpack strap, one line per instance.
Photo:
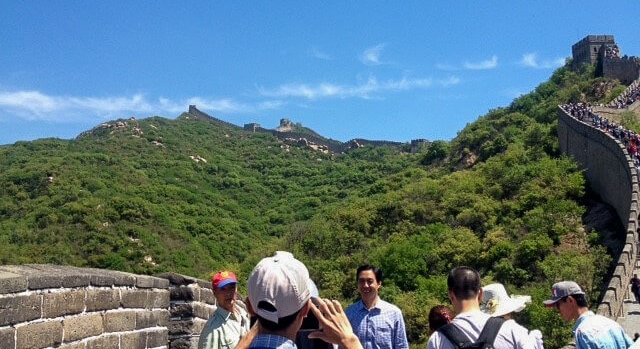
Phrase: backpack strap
(490, 330)
(454, 335)
(460, 340)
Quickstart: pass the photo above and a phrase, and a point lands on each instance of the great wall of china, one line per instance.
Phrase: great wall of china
(43, 306)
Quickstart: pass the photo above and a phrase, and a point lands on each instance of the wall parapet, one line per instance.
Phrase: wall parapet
(44, 305)
(611, 173)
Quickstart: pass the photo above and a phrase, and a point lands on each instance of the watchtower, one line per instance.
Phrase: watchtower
(588, 49)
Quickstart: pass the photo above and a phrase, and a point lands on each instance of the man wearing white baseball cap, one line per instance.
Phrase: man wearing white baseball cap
(590, 331)
(279, 295)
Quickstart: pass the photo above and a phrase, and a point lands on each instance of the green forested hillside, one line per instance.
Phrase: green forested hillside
(192, 196)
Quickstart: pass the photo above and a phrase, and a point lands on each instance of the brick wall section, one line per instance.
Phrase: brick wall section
(611, 174)
(52, 306)
(191, 304)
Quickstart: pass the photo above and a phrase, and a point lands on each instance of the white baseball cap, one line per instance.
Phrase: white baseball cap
(281, 281)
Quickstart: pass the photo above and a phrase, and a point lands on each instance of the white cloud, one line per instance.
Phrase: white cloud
(319, 54)
(34, 105)
(488, 64)
(530, 60)
(363, 90)
(371, 56)
(446, 66)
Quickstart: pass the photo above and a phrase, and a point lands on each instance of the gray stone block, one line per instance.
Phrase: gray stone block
(158, 299)
(119, 321)
(39, 335)
(134, 298)
(146, 281)
(7, 337)
(145, 319)
(182, 310)
(36, 279)
(69, 276)
(203, 310)
(181, 328)
(182, 343)
(183, 293)
(206, 296)
(161, 316)
(179, 279)
(17, 309)
(157, 338)
(198, 325)
(74, 345)
(84, 326)
(12, 283)
(65, 303)
(133, 340)
(105, 342)
(102, 299)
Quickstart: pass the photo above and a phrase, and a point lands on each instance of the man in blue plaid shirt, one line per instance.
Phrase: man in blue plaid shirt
(378, 324)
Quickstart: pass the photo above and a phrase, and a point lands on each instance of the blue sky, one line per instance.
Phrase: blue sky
(386, 70)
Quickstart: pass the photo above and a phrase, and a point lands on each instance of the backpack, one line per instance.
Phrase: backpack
(485, 340)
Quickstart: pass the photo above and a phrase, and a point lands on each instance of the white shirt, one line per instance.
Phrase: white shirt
(511, 335)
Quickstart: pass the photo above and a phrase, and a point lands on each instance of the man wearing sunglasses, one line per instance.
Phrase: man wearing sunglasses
(590, 331)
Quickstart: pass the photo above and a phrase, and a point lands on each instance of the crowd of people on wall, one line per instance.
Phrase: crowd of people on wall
(629, 138)
(628, 97)
(282, 297)
(612, 51)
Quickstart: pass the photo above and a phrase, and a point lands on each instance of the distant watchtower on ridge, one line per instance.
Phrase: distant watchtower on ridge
(603, 51)
(588, 49)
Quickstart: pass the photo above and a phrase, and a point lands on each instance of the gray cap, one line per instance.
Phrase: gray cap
(562, 289)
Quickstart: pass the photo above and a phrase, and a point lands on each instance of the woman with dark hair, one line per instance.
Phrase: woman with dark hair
(439, 316)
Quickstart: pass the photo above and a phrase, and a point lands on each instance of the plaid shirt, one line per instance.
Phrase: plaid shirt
(382, 327)
(271, 341)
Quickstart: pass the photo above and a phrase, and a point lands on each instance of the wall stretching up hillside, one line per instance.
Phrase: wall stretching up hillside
(611, 173)
(43, 306)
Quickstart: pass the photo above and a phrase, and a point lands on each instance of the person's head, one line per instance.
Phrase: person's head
(279, 294)
(464, 283)
(496, 302)
(568, 299)
(439, 316)
(225, 286)
(369, 279)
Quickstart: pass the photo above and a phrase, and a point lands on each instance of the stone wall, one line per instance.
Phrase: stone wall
(611, 173)
(624, 69)
(51, 306)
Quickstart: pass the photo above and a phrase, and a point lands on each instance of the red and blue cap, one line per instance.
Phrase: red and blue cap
(223, 278)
